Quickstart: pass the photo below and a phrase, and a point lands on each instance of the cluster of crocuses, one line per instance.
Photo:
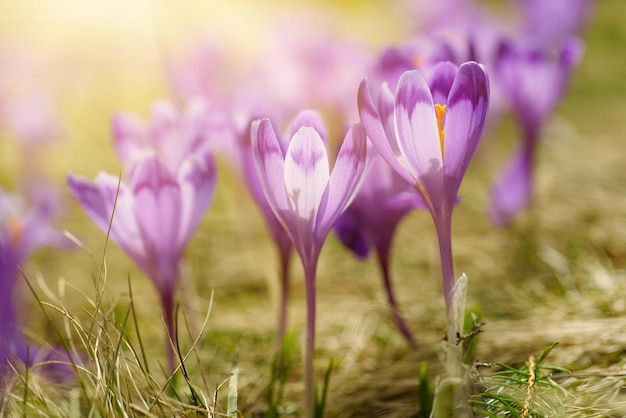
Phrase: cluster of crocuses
(413, 117)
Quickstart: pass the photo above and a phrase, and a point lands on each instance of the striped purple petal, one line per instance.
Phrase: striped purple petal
(306, 176)
(376, 132)
(158, 210)
(344, 180)
(270, 165)
(308, 118)
(464, 124)
(97, 200)
(196, 179)
(418, 133)
(440, 81)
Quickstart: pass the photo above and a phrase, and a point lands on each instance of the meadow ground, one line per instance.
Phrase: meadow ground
(556, 275)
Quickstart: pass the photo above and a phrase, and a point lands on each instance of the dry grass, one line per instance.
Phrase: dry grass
(558, 275)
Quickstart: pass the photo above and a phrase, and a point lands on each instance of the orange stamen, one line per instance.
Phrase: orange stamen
(15, 229)
(418, 61)
(423, 193)
(440, 111)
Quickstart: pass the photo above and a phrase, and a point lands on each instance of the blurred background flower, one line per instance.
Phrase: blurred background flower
(25, 227)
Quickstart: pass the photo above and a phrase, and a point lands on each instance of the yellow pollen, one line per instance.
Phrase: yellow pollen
(440, 111)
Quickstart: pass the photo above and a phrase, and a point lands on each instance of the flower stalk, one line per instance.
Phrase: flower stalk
(310, 274)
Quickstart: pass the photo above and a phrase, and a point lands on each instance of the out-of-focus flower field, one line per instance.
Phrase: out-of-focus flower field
(553, 272)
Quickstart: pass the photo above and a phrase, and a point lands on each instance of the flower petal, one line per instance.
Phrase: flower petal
(129, 135)
(417, 131)
(440, 81)
(405, 201)
(534, 79)
(54, 363)
(386, 103)
(571, 54)
(270, 165)
(374, 128)
(464, 123)
(253, 182)
(158, 210)
(512, 192)
(308, 118)
(163, 122)
(197, 178)
(29, 219)
(306, 174)
(97, 201)
(345, 179)
(351, 232)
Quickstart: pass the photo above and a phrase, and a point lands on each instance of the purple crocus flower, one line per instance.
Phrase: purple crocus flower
(417, 55)
(23, 230)
(534, 80)
(429, 132)
(307, 199)
(171, 134)
(552, 22)
(275, 227)
(159, 206)
(383, 201)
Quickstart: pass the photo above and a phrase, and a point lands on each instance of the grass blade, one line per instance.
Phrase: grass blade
(231, 408)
